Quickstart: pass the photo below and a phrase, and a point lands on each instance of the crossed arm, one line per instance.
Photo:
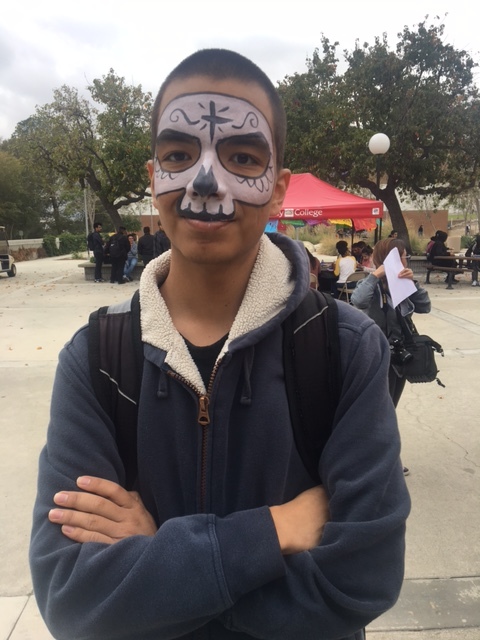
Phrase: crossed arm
(105, 512)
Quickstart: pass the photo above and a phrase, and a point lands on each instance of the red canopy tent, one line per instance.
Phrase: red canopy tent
(312, 199)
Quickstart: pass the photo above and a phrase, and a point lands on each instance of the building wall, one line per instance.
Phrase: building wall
(432, 221)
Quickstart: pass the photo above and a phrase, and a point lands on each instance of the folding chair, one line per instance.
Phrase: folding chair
(353, 277)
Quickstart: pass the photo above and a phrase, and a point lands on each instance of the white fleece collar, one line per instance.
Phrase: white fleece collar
(268, 290)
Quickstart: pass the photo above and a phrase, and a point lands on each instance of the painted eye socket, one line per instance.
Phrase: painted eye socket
(175, 155)
(245, 156)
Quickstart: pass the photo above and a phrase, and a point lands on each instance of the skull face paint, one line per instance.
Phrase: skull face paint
(217, 149)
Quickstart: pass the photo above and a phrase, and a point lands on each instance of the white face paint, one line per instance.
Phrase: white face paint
(217, 149)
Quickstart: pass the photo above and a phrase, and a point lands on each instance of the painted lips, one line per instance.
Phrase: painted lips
(203, 215)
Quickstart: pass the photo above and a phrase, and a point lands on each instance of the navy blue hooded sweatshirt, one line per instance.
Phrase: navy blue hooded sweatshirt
(214, 570)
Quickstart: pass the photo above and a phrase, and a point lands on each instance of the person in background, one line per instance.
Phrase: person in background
(393, 234)
(162, 243)
(314, 269)
(474, 250)
(420, 231)
(345, 265)
(117, 248)
(98, 251)
(227, 536)
(438, 249)
(132, 258)
(146, 246)
(357, 248)
(372, 296)
(367, 259)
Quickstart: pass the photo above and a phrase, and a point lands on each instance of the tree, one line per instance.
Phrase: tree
(20, 205)
(105, 148)
(421, 95)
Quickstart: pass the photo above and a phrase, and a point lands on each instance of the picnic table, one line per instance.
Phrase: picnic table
(452, 271)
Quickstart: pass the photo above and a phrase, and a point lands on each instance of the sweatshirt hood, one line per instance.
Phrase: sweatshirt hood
(277, 284)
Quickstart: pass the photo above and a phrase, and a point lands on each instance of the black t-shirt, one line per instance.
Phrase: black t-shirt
(205, 357)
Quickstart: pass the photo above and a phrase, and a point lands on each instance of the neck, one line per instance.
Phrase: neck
(203, 300)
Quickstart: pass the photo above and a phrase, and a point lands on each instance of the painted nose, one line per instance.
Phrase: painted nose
(205, 183)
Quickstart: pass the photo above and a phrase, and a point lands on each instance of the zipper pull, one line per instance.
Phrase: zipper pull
(203, 415)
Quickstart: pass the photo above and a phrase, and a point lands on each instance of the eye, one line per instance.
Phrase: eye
(244, 159)
(177, 156)
(176, 152)
(246, 156)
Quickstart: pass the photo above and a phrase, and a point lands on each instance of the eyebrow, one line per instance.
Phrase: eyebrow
(171, 135)
(252, 139)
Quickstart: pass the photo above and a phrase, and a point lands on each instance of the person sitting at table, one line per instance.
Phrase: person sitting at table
(345, 265)
(357, 248)
(367, 263)
(474, 250)
(439, 249)
(314, 269)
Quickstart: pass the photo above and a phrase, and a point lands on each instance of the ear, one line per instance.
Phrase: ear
(279, 192)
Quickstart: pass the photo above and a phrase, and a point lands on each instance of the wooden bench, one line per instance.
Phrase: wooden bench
(450, 271)
(89, 271)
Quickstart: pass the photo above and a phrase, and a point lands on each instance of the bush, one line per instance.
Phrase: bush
(70, 243)
(50, 246)
(466, 241)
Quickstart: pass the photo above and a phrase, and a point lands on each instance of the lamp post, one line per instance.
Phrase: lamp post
(378, 144)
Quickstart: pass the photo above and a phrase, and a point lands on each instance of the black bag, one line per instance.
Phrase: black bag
(90, 241)
(417, 354)
(114, 249)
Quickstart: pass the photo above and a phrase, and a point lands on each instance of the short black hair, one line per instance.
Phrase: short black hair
(97, 224)
(222, 64)
(146, 229)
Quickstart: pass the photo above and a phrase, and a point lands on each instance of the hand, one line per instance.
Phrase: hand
(300, 522)
(379, 272)
(406, 273)
(107, 513)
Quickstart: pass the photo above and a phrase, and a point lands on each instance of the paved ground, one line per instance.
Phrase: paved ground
(49, 299)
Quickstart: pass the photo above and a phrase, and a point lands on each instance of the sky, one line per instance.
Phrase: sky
(44, 45)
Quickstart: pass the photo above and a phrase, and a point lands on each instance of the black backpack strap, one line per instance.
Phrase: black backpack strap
(116, 365)
(313, 374)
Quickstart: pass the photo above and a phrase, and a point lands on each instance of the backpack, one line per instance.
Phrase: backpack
(428, 250)
(90, 241)
(311, 355)
(114, 249)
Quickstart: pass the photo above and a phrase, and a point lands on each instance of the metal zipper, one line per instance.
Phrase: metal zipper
(203, 420)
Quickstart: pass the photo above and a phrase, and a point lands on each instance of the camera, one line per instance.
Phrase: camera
(398, 354)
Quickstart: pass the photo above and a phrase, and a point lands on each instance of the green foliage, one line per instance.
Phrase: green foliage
(105, 146)
(70, 243)
(421, 94)
(131, 222)
(467, 241)
(50, 246)
(21, 206)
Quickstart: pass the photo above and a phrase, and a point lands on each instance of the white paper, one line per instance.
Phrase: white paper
(400, 288)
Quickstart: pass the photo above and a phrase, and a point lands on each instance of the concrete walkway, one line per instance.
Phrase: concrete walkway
(49, 299)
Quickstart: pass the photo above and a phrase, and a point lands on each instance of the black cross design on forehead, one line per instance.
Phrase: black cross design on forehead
(215, 119)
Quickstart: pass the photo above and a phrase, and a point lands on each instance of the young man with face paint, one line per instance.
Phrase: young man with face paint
(228, 537)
